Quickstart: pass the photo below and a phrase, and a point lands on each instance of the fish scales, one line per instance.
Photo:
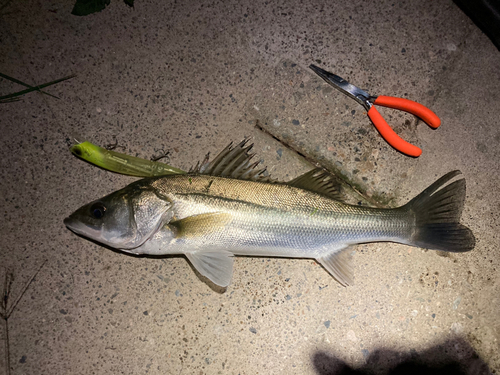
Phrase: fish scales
(281, 209)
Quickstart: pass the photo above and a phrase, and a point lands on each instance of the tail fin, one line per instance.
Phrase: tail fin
(437, 212)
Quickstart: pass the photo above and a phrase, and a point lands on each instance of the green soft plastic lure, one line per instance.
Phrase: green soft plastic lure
(121, 163)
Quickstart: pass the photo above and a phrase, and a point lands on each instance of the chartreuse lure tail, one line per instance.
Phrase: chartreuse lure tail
(121, 163)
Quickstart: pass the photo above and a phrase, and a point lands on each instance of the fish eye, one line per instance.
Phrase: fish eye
(97, 210)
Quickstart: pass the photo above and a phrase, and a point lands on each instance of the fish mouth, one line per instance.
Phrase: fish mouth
(71, 224)
(87, 232)
(80, 228)
(92, 233)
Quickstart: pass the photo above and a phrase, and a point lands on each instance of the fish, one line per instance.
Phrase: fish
(228, 207)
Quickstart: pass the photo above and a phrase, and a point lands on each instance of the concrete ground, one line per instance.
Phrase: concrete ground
(188, 77)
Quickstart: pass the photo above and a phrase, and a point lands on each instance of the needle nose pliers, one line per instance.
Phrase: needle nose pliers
(368, 101)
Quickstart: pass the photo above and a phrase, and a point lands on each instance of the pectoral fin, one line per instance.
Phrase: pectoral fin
(216, 265)
(199, 225)
(338, 263)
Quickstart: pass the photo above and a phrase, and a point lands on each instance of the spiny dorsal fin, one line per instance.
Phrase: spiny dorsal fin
(318, 181)
(234, 162)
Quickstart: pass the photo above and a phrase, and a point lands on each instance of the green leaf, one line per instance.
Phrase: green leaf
(86, 7)
(130, 3)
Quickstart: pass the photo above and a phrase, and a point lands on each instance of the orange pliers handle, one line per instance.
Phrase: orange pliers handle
(405, 105)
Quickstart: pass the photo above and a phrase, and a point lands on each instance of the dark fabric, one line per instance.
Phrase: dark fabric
(485, 14)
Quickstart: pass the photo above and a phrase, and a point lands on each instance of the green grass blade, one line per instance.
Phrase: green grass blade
(35, 88)
(24, 84)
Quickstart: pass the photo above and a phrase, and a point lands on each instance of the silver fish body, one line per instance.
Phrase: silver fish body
(263, 219)
(211, 218)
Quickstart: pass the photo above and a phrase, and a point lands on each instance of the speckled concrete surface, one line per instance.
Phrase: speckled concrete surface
(188, 78)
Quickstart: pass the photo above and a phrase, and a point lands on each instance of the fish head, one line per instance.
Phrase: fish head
(124, 219)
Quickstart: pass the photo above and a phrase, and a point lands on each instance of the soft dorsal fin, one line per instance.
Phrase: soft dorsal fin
(216, 265)
(338, 264)
(318, 181)
(234, 162)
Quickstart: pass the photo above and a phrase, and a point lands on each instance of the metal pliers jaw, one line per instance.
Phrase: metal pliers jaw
(361, 96)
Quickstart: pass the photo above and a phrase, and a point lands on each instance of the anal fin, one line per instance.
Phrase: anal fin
(338, 264)
(216, 265)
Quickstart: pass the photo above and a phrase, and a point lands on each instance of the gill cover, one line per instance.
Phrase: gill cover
(124, 219)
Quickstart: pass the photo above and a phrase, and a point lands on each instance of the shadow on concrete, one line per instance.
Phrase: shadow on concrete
(452, 357)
